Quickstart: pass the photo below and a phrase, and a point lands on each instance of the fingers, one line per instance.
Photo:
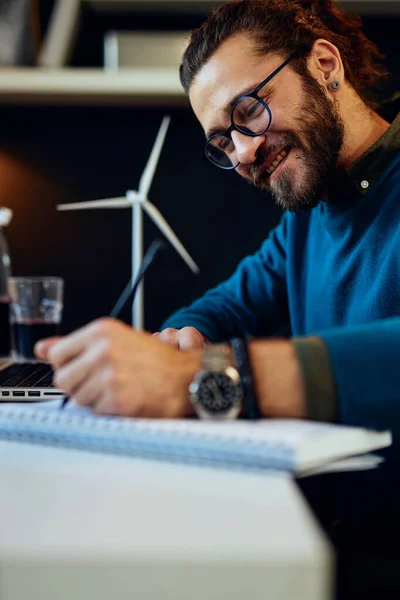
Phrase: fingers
(187, 338)
(169, 336)
(92, 390)
(43, 347)
(74, 344)
(67, 348)
(72, 376)
(104, 404)
(190, 339)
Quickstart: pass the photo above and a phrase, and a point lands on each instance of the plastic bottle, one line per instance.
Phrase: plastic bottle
(5, 272)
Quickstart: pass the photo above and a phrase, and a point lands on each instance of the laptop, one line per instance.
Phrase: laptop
(27, 382)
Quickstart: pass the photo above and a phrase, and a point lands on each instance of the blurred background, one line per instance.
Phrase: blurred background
(84, 86)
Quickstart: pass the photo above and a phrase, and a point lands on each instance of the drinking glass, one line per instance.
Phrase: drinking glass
(36, 305)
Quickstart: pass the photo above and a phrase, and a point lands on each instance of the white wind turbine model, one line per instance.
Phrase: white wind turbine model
(137, 200)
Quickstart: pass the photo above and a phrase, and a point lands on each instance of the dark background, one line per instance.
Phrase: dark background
(55, 154)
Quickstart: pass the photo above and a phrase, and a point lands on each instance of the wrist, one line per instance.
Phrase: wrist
(277, 378)
(190, 364)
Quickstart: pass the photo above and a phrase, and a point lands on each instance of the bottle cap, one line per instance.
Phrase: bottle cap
(5, 216)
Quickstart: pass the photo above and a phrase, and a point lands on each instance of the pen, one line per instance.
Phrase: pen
(130, 290)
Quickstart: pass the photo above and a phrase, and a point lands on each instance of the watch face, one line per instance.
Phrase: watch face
(217, 393)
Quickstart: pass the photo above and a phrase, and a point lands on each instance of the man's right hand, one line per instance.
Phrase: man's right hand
(187, 338)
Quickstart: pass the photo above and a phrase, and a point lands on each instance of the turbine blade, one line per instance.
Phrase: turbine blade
(148, 173)
(93, 204)
(163, 226)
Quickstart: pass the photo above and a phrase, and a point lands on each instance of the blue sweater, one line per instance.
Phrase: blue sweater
(333, 271)
(332, 266)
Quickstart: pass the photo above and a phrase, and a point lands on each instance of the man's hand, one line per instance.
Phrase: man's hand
(187, 338)
(114, 369)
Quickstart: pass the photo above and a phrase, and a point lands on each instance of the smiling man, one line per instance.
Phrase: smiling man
(286, 119)
(284, 92)
(286, 100)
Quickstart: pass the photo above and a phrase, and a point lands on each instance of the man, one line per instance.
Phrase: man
(282, 89)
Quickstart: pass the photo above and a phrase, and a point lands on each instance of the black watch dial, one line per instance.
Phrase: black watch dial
(218, 393)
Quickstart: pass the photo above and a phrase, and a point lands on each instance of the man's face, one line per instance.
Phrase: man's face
(296, 157)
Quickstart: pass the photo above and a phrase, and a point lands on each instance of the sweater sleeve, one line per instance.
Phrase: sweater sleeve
(252, 302)
(365, 366)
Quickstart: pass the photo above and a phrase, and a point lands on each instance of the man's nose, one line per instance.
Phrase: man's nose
(246, 146)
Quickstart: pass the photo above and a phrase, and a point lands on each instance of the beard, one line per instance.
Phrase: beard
(321, 127)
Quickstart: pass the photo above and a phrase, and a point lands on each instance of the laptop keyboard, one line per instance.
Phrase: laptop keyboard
(27, 375)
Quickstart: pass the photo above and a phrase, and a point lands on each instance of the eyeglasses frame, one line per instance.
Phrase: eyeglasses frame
(234, 127)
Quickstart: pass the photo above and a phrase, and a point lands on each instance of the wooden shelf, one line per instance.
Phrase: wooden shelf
(91, 86)
(139, 86)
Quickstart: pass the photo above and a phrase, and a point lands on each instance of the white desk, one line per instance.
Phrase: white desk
(79, 526)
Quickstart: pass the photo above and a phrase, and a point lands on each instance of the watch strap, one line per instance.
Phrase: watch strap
(216, 357)
(241, 354)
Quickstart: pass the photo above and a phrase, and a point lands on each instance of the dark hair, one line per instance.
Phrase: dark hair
(287, 27)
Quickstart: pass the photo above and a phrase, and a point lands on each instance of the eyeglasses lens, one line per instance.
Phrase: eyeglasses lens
(221, 151)
(250, 117)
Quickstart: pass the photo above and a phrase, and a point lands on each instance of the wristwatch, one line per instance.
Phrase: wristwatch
(216, 391)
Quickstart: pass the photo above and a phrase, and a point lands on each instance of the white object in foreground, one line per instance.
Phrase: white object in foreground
(80, 525)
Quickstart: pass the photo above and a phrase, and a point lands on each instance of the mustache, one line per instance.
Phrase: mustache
(265, 152)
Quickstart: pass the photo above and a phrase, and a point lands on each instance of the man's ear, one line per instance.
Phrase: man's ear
(325, 64)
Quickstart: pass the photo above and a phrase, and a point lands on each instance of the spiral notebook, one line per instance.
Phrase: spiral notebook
(286, 445)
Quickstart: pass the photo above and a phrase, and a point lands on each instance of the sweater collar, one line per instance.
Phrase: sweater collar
(351, 184)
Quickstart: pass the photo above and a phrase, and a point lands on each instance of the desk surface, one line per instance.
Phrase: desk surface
(103, 526)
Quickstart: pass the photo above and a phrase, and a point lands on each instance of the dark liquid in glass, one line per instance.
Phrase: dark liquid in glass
(27, 333)
(5, 331)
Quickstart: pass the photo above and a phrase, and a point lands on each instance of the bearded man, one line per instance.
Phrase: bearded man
(284, 92)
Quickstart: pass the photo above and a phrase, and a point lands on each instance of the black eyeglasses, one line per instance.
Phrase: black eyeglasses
(251, 116)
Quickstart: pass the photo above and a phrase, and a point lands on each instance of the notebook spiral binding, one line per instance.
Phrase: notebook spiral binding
(142, 439)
